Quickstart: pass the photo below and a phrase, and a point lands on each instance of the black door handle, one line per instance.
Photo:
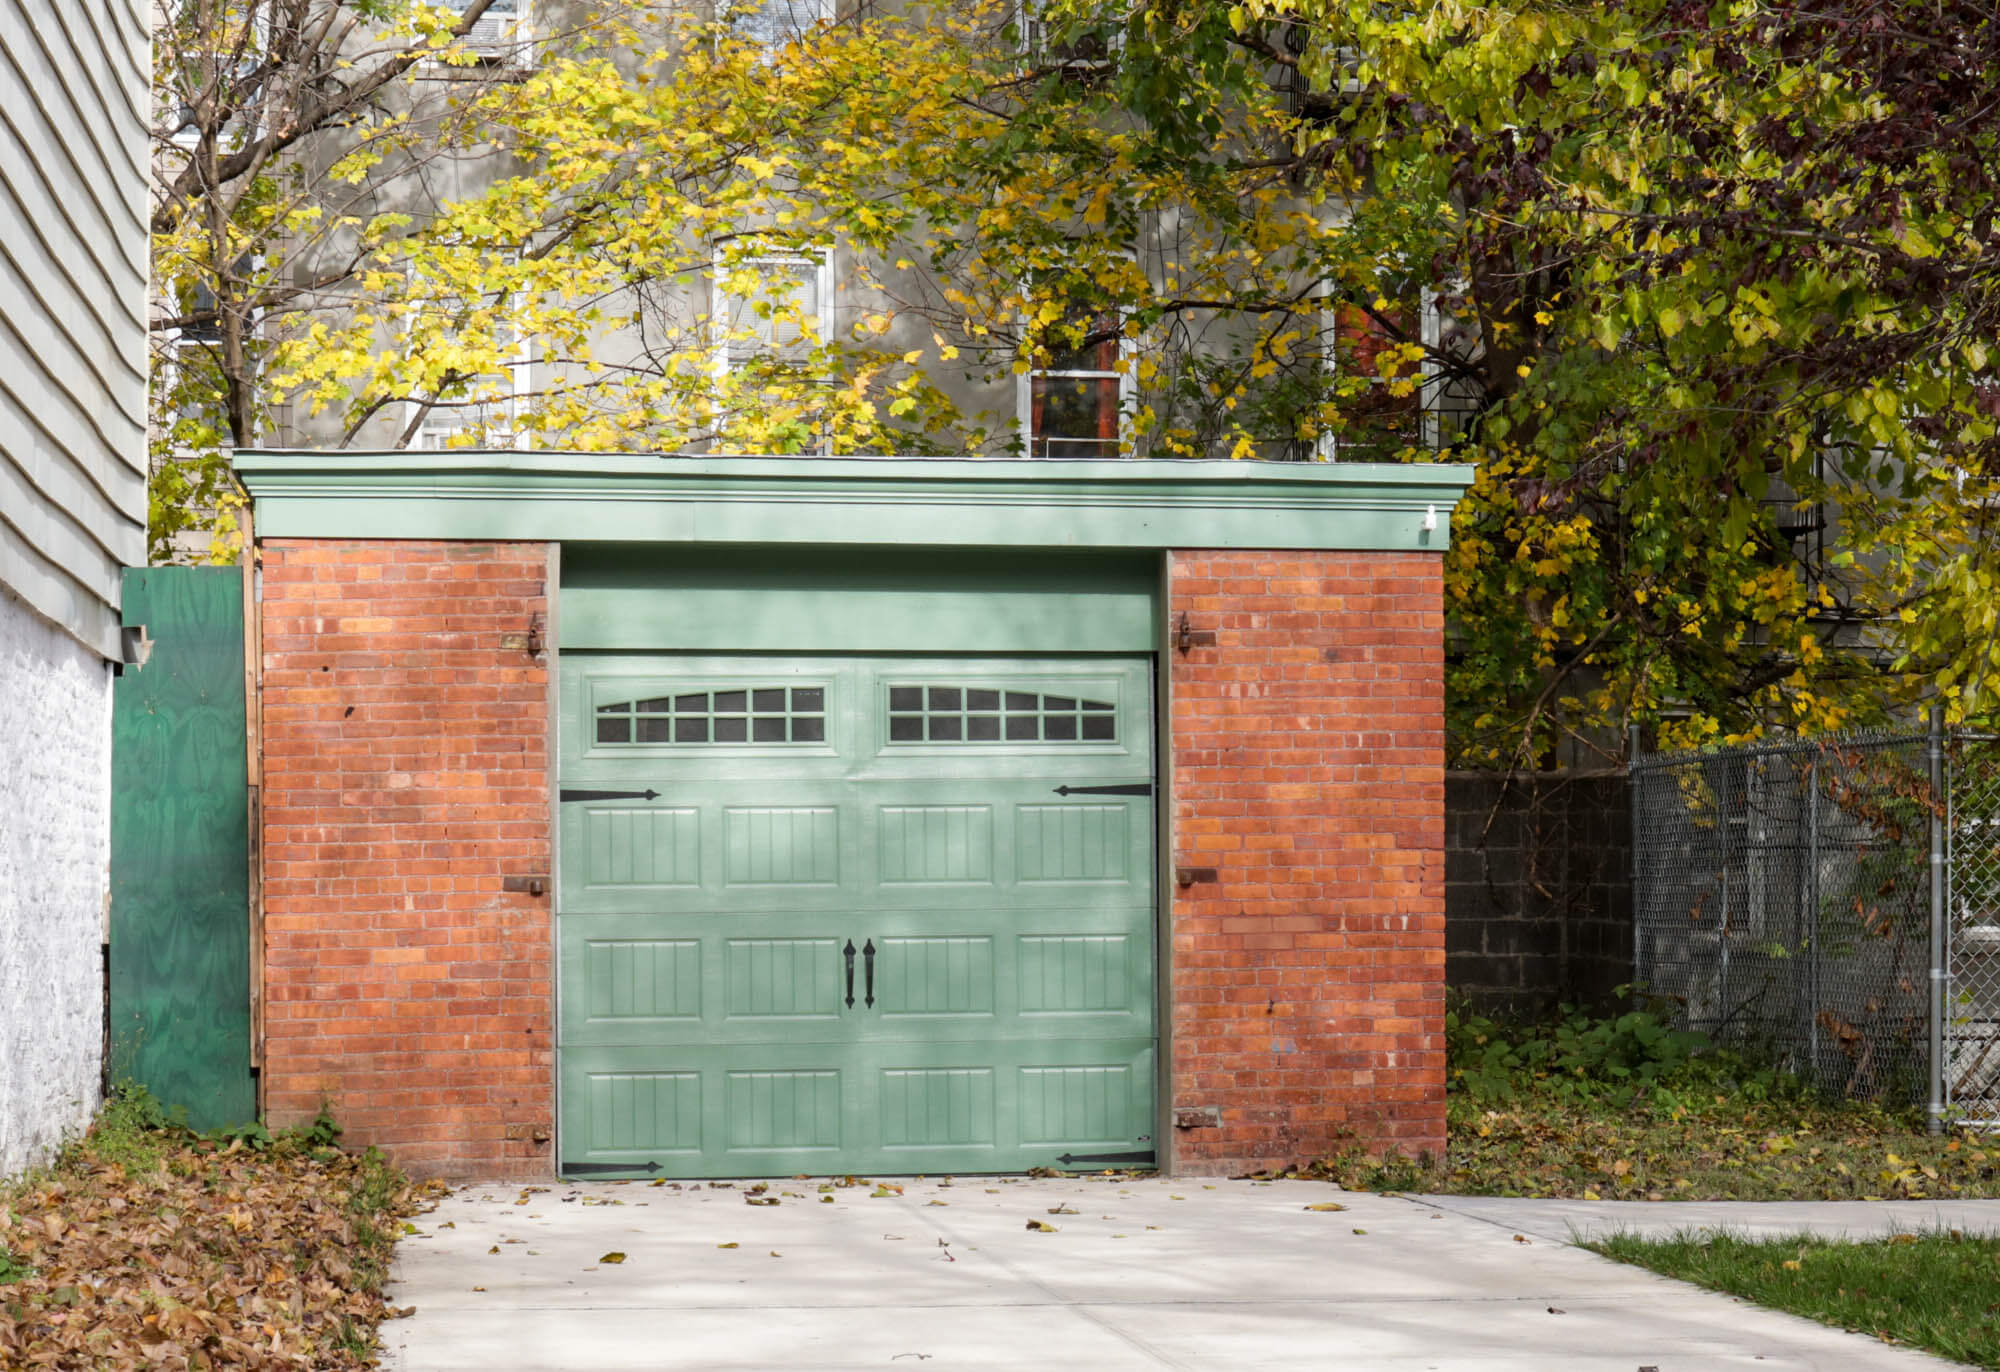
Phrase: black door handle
(848, 951)
(868, 954)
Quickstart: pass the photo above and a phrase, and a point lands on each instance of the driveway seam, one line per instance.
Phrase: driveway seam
(1001, 1260)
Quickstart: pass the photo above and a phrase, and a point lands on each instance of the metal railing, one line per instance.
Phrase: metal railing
(1832, 906)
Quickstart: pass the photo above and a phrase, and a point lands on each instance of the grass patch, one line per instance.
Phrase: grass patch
(1935, 1291)
(147, 1245)
(1625, 1108)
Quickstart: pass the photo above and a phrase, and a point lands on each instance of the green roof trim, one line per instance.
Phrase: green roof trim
(887, 501)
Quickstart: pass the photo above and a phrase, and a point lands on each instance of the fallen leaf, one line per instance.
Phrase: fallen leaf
(613, 1258)
(760, 1200)
(1554, 1311)
(725, 1245)
(1327, 1205)
(1041, 1227)
(1522, 1238)
(1062, 1210)
(494, 1249)
(1361, 1231)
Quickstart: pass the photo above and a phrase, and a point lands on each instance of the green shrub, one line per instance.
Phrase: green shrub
(1612, 1058)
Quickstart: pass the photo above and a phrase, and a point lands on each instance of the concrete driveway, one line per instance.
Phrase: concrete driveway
(1142, 1275)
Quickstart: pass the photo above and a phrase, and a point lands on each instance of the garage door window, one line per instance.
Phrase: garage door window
(738, 714)
(993, 714)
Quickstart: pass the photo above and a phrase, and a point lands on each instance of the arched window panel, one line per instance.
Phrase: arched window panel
(959, 713)
(723, 715)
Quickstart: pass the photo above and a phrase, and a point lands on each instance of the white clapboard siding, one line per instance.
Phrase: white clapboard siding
(73, 150)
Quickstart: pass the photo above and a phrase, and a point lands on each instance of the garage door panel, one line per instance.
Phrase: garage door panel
(715, 979)
(840, 844)
(984, 903)
(781, 1109)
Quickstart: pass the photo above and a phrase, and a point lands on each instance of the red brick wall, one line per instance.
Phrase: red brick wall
(1308, 750)
(405, 774)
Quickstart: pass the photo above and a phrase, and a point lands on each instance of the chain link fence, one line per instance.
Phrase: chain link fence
(1785, 901)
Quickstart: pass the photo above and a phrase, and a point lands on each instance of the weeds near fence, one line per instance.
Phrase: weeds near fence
(1628, 1107)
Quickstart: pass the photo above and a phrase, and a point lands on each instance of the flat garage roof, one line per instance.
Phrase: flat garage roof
(984, 502)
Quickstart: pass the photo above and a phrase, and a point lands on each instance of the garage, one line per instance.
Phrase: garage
(874, 908)
(689, 816)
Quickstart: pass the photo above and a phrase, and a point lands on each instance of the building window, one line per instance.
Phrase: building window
(771, 309)
(771, 319)
(1082, 51)
(1075, 406)
(484, 411)
(187, 389)
(771, 24)
(1396, 407)
(500, 36)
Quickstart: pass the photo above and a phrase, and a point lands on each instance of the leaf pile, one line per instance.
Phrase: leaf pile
(1719, 1147)
(159, 1248)
(1623, 1108)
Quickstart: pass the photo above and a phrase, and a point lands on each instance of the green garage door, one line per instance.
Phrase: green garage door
(855, 914)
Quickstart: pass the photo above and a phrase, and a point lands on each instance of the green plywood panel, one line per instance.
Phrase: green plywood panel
(180, 929)
(893, 947)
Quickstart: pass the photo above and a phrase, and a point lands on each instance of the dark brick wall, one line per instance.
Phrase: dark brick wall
(1538, 889)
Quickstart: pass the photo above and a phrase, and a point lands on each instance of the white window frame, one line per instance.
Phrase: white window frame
(510, 46)
(720, 300)
(725, 11)
(178, 344)
(821, 263)
(1024, 397)
(1430, 332)
(1291, 81)
(441, 423)
(1035, 48)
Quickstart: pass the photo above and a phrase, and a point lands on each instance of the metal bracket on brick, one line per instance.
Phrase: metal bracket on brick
(530, 885)
(1186, 636)
(1188, 876)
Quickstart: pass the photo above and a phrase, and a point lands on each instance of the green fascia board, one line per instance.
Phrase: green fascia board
(888, 501)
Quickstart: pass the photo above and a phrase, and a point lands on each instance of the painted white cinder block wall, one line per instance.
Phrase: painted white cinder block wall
(55, 849)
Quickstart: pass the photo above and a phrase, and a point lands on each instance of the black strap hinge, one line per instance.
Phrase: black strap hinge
(1144, 1155)
(567, 794)
(605, 1169)
(1134, 788)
